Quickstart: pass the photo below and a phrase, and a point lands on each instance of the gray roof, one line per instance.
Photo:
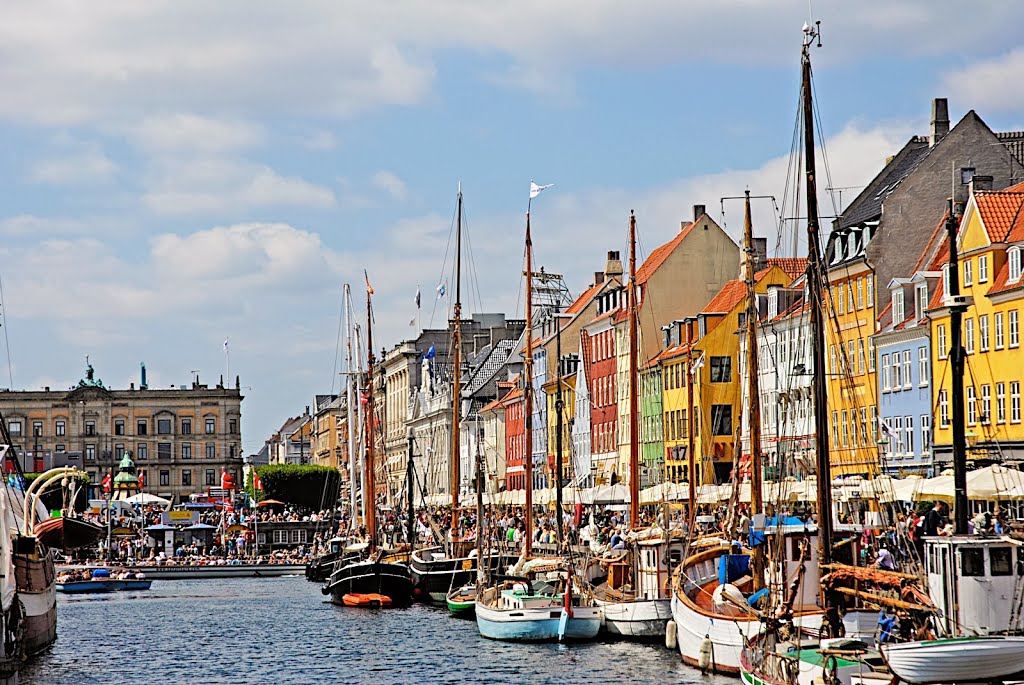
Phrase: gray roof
(868, 204)
(491, 365)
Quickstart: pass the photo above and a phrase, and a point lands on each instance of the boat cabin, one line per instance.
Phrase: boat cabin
(976, 582)
(520, 596)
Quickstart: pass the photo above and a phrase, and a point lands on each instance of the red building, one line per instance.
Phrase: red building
(599, 341)
(515, 438)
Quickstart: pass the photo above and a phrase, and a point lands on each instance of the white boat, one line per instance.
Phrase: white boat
(636, 598)
(519, 610)
(956, 660)
(642, 618)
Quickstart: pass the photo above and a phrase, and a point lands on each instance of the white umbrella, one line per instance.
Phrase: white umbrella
(611, 494)
(989, 482)
(147, 498)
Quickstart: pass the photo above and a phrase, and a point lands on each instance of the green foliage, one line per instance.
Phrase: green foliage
(304, 485)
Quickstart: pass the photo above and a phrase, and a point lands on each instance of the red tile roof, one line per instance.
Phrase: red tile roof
(660, 254)
(1000, 211)
(731, 294)
(793, 266)
(1001, 284)
(584, 299)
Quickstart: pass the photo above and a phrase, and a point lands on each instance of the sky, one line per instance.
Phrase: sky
(179, 173)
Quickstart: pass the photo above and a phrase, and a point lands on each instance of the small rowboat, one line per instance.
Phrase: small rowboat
(956, 660)
(462, 601)
(354, 599)
(61, 532)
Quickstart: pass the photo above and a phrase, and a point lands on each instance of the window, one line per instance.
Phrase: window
(983, 332)
(940, 334)
(210, 477)
(874, 420)
(943, 409)
(1014, 331)
(966, 174)
(186, 426)
(850, 360)
(926, 434)
(37, 428)
(968, 274)
(163, 426)
(897, 434)
(907, 382)
(60, 448)
(211, 423)
(897, 372)
(832, 359)
(846, 429)
(886, 376)
(118, 426)
(998, 316)
(983, 269)
(969, 336)
(165, 477)
(186, 477)
(14, 427)
(721, 419)
(908, 426)
(860, 355)
(898, 312)
(1013, 259)
(721, 372)
(835, 427)
(186, 450)
(922, 365)
(119, 451)
(142, 451)
(1015, 402)
(972, 406)
(1001, 561)
(142, 427)
(849, 297)
(863, 427)
(163, 450)
(840, 299)
(972, 561)
(211, 450)
(1000, 402)
(986, 404)
(90, 428)
(922, 299)
(233, 426)
(860, 293)
(60, 427)
(871, 290)
(90, 452)
(871, 355)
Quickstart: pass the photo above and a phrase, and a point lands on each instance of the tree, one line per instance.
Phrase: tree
(305, 485)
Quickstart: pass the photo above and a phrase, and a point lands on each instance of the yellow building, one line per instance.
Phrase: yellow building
(328, 445)
(850, 354)
(673, 365)
(568, 412)
(990, 239)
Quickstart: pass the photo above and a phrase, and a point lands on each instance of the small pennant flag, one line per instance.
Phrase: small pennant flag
(257, 484)
(225, 344)
(417, 298)
(369, 288)
(441, 290)
(412, 322)
(535, 189)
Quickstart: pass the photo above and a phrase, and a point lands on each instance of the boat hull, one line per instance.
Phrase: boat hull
(435, 578)
(107, 585)
(198, 572)
(36, 577)
(641, 619)
(61, 532)
(537, 625)
(371, 577)
(956, 660)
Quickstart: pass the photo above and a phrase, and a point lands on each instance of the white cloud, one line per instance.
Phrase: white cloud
(88, 165)
(182, 131)
(390, 183)
(990, 84)
(320, 140)
(218, 185)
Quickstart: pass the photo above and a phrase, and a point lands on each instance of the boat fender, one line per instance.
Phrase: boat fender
(670, 635)
(705, 654)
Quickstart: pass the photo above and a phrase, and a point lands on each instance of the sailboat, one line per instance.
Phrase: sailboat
(381, 579)
(536, 601)
(635, 596)
(438, 570)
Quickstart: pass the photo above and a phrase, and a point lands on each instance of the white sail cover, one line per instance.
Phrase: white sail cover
(8, 583)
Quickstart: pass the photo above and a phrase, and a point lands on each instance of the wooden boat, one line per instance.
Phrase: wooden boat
(462, 601)
(635, 597)
(956, 660)
(435, 572)
(62, 532)
(523, 610)
(372, 600)
(371, 577)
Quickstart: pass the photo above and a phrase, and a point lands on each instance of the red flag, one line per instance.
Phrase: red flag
(106, 483)
(257, 484)
(142, 479)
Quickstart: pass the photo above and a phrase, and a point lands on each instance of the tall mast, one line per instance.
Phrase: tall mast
(753, 391)
(457, 363)
(371, 486)
(360, 425)
(350, 400)
(634, 423)
(815, 280)
(527, 392)
(956, 361)
(691, 458)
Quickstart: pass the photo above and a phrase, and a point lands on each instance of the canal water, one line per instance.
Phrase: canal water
(281, 631)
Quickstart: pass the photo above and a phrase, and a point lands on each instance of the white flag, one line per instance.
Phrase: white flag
(225, 344)
(884, 425)
(536, 189)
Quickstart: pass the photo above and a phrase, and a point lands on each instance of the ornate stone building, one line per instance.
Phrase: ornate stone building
(181, 438)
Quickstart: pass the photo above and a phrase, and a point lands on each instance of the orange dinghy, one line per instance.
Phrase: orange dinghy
(372, 600)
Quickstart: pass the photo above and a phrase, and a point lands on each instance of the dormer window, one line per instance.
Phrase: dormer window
(1013, 255)
(922, 299)
(898, 311)
(966, 174)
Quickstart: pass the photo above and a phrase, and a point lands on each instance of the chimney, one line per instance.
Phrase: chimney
(940, 120)
(598, 277)
(613, 267)
(980, 183)
(142, 381)
(760, 254)
(698, 212)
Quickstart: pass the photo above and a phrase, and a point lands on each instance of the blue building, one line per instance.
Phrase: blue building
(903, 360)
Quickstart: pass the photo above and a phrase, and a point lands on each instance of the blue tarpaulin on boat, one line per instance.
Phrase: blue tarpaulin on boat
(732, 566)
(100, 573)
(757, 537)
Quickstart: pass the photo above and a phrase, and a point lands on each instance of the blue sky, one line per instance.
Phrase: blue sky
(181, 172)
